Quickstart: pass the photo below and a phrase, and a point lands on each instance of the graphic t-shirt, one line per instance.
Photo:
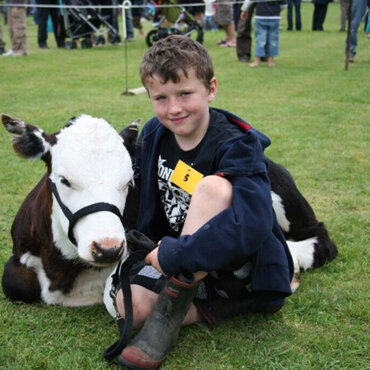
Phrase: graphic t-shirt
(175, 199)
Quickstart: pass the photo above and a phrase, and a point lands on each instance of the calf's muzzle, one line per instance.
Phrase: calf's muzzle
(104, 254)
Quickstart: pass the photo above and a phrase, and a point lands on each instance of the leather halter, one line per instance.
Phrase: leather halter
(74, 217)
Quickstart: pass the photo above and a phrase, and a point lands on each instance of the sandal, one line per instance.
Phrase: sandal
(227, 45)
(221, 42)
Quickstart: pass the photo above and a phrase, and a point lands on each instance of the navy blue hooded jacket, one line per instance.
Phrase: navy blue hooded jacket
(247, 229)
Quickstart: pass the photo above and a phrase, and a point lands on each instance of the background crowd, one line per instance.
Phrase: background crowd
(233, 17)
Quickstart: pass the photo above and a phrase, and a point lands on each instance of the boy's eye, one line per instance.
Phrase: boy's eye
(158, 98)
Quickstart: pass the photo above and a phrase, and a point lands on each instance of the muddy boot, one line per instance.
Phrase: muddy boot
(216, 310)
(149, 348)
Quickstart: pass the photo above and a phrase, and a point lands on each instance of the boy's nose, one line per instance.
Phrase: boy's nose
(174, 107)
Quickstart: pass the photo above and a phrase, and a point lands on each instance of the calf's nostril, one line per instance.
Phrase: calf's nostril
(107, 254)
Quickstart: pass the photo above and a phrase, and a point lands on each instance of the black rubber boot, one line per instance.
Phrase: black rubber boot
(216, 310)
(149, 348)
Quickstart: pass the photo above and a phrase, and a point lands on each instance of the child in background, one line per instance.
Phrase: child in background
(209, 13)
(267, 21)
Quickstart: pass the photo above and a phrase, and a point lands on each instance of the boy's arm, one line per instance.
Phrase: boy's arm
(233, 235)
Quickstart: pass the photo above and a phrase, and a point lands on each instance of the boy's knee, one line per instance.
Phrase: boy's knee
(141, 311)
(213, 188)
(141, 308)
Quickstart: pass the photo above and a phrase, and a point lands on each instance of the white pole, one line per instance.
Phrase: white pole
(125, 5)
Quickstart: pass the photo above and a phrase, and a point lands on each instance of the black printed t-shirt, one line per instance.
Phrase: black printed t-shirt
(175, 200)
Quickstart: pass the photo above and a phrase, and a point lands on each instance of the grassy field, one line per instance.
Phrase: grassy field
(317, 115)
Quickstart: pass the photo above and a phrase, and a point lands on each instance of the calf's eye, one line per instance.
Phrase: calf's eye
(65, 182)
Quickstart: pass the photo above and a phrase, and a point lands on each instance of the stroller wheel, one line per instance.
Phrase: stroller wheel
(114, 39)
(99, 40)
(200, 35)
(86, 43)
(196, 33)
(151, 37)
(71, 45)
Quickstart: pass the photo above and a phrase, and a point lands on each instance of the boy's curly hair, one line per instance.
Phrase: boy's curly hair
(170, 56)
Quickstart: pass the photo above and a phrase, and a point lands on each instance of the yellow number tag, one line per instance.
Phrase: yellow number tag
(185, 177)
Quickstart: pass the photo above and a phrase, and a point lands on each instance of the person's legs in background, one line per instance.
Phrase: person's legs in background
(43, 14)
(358, 11)
(244, 39)
(17, 31)
(272, 41)
(261, 39)
(290, 15)
(298, 18)
(2, 42)
(344, 5)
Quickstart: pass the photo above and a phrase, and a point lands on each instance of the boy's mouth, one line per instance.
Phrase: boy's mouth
(178, 120)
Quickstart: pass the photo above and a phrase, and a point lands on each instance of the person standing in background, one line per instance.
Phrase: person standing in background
(319, 14)
(244, 38)
(17, 29)
(209, 13)
(267, 30)
(58, 26)
(344, 7)
(225, 19)
(357, 14)
(298, 22)
(2, 42)
(137, 14)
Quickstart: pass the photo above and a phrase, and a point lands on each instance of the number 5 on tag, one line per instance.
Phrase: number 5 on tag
(185, 177)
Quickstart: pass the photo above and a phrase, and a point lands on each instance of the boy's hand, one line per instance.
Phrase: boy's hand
(152, 259)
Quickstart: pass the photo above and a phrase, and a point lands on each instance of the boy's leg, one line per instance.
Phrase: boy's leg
(212, 195)
(261, 39)
(174, 306)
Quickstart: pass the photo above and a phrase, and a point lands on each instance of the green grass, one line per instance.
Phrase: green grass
(317, 115)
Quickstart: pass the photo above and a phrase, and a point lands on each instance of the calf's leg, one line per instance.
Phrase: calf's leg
(19, 282)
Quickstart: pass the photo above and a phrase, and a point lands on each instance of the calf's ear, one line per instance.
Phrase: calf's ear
(28, 141)
(129, 135)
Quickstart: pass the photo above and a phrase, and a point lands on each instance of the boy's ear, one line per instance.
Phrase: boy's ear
(212, 89)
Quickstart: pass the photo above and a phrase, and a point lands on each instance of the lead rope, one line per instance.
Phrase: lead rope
(124, 325)
(139, 246)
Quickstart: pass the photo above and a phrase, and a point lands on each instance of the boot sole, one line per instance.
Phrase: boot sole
(134, 367)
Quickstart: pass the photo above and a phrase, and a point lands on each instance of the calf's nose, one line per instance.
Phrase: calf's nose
(107, 251)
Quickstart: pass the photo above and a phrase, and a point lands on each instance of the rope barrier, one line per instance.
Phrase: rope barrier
(90, 6)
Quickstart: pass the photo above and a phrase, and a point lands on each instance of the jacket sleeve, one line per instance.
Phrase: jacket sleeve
(237, 232)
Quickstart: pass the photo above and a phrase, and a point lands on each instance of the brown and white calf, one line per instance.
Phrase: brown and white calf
(307, 238)
(68, 234)
(63, 253)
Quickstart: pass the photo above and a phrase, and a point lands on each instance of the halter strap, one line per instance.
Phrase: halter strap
(74, 217)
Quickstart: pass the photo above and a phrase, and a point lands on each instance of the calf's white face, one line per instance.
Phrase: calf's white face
(89, 164)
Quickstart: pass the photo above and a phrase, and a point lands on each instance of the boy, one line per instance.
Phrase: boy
(205, 200)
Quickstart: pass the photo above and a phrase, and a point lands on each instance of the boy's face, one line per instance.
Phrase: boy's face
(183, 107)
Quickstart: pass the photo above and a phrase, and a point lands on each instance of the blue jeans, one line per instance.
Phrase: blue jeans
(267, 37)
(209, 23)
(129, 24)
(358, 11)
(298, 22)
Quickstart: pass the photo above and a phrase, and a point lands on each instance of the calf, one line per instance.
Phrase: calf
(307, 238)
(68, 234)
